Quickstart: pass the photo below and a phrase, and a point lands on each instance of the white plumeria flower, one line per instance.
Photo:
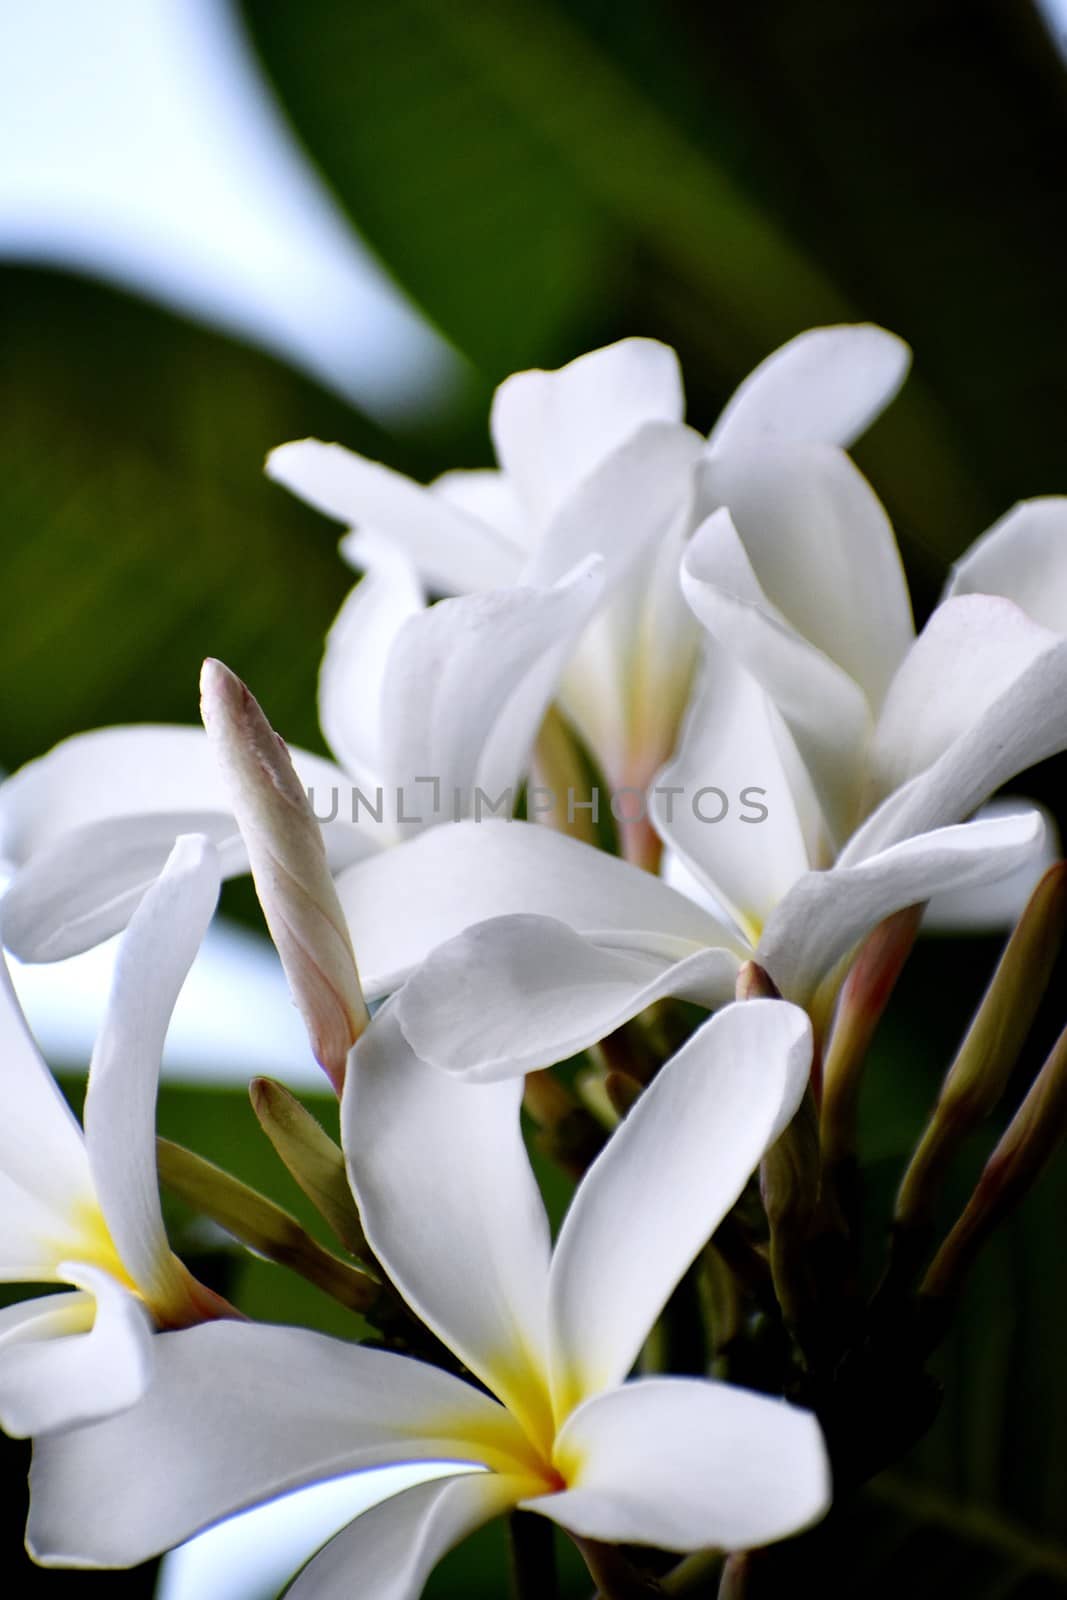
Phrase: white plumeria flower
(451, 1207)
(428, 710)
(476, 921)
(978, 697)
(801, 582)
(595, 457)
(83, 1208)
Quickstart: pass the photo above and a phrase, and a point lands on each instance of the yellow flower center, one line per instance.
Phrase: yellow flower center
(89, 1240)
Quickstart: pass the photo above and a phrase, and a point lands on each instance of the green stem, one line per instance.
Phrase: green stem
(695, 1571)
(533, 1557)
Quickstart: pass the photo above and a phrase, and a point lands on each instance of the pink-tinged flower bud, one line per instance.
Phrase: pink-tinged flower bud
(289, 867)
(753, 983)
(864, 997)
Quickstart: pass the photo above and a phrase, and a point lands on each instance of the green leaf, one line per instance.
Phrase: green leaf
(137, 533)
(538, 189)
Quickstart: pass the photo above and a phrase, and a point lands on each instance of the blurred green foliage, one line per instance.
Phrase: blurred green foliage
(542, 177)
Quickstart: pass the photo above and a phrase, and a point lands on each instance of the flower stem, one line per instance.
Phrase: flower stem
(533, 1557)
(695, 1572)
(614, 1576)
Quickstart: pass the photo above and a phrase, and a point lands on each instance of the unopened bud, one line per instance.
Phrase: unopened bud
(754, 983)
(789, 1184)
(311, 1157)
(864, 997)
(261, 1225)
(623, 1092)
(978, 1076)
(289, 868)
(1031, 1138)
(568, 1131)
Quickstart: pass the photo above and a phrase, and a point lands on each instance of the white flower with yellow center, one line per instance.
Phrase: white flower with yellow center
(82, 1207)
(452, 1209)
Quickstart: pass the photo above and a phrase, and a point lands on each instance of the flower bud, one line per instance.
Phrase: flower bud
(980, 1072)
(623, 1092)
(864, 997)
(1031, 1138)
(289, 867)
(568, 1132)
(753, 983)
(789, 1184)
(262, 1225)
(311, 1157)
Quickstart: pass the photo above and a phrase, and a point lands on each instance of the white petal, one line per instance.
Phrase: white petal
(971, 652)
(824, 709)
(391, 1549)
(823, 551)
(664, 1183)
(630, 670)
(741, 815)
(827, 913)
(236, 1414)
(623, 507)
(81, 1357)
(552, 428)
(459, 1009)
(460, 670)
(83, 889)
(1024, 558)
(137, 771)
(405, 902)
(353, 669)
(828, 384)
(626, 685)
(663, 648)
(44, 1317)
(39, 1233)
(120, 1105)
(1024, 724)
(91, 824)
(487, 494)
(110, 772)
(996, 907)
(254, 1554)
(452, 550)
(450, 1205)
(686, 1465)
(42, 1152)
(593, 688)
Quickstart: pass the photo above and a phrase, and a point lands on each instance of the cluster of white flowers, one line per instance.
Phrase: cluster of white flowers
(718, 631)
